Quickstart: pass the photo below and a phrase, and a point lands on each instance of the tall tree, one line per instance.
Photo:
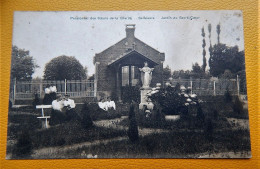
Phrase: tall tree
(64, 67)
(204, 51)
(167, 72)
(218, 32)
(226, 58)
(23, 65)
(210, 45)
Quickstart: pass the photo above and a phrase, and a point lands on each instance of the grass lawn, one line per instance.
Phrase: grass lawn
(185, 144)
(58, 135)
(186, 138)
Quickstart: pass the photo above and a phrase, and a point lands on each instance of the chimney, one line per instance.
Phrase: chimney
(130, 30)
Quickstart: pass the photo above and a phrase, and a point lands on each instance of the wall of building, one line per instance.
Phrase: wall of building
(106, 77)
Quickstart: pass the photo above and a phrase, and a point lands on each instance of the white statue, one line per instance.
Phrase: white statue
(146, 75)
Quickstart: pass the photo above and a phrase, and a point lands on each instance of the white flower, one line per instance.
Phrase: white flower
(185, 95)
(193, 103)
(182, 87)
(91, 156)
(200, 101)
(157, 88)
(153, 89)
(186, 104)
(153, 92)
(158, 84)
(193, 95)
(83, 153)
(168, 84)
(53, 89)
(188, 100)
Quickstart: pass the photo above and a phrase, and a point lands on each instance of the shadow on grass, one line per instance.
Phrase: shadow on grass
(171, 145)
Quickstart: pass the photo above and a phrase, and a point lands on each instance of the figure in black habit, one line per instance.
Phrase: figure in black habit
(50, 94)
(47, 97)
(53, 90)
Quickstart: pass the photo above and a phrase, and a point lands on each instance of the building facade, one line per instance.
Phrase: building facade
(118, 66)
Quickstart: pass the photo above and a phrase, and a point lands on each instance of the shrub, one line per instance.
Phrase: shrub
(36, 100)
(23, 147)
(132, 130)
(86, 120)
(208, 131)
(227, 96)
(215, 114)
(130, 93)
(238, 106)
(158, 116)
(200, 114)
(169, 99)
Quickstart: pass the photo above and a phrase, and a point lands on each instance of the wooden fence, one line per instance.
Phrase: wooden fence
(25, 90)
(211, 87)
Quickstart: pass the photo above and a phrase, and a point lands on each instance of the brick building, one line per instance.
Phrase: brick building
(117, 66)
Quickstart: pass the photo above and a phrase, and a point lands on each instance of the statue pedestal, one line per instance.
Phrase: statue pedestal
(144, 101)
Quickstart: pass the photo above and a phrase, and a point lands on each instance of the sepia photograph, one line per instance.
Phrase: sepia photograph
(128, 84)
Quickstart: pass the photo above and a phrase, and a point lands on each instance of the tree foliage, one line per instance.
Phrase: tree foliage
(187, 74)
(64, 67)
(197, 71)
(218, 31)
(226, 58)
(169, 100)
(167, 72)
(196, 68)
(204, 51)
(23, 65)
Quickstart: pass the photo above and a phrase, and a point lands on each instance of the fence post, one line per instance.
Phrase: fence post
(191, 86)
(95, 87)
(65, 87)
(41, 89)
(238, 86)
(14, 90)
(214, 86)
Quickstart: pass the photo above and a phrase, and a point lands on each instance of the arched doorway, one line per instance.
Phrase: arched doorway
(128, 76)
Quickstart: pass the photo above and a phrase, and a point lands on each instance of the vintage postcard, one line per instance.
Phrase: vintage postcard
(128, 84)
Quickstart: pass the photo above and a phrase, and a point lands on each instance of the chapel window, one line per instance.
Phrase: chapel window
(130, 75)
(125, 75)
(135, 75)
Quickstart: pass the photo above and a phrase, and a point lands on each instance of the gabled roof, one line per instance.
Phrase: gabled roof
(118, 49)
(128, 54)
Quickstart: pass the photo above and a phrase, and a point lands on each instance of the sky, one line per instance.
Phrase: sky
(84, 33)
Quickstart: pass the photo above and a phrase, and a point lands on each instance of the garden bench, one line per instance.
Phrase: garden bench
(44, 118)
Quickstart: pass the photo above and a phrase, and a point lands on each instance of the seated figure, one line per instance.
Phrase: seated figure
(69, 103)
(69, 106)
(103, 104)
(110, 104)
(57, 114)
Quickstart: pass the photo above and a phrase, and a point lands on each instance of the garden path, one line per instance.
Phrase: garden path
(55, 152)
(114, 123)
